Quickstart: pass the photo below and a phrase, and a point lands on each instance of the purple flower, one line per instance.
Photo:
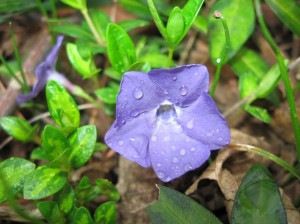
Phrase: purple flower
(44, 72)
(166, 119)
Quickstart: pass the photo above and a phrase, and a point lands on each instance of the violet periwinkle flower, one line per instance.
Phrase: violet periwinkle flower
(45, 72)
(166, 119)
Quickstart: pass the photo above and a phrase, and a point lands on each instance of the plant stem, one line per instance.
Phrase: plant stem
(42, 9)
(53, 9)
(10, 71)
(221, 60)
(91, 25)
(171, 52)
(17, 55)
(266, 154)
(284, 76)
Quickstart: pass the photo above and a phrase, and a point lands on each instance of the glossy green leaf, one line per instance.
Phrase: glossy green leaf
(43, 182)
(82, 215)
(65, 199)
(131, 24)
(157, 60)
(85, 66)
(13, 172)
(82, 142)
(54, 142)
(201, 23)
(120, 48)
(175, 27)
(76, 4)
(140, 66)
(18, 128)
(112, 73)
(100, 20)
(106, 213)
(240, 18)
(86, 49)
(258, 112)
(269, 81)
(137, 8)
(258, 199)
(159, 23)
(190, 11)
(288, 12)
(248, 83)
(176, 208)
(248, 61)
(61, 105)
(108, 94)
(73, 30)
(105, 187)
(50, 211)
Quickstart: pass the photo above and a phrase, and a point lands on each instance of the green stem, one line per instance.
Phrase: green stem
(171, 52)
(53, 9)
(10, 71)
(91, 25)
(17, 55)
(42, 9)
(284, 76)
(268, 155)
(222, 59)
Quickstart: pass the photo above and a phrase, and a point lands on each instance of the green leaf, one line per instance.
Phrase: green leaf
(105, 187)
(136, 7)
(132, 24)
(112, 73)
(140, 66)
(73, 30)
(157, 60)
(258, 199)
(176, 208)
(240, 18)
(76, 4)
(65, 199)
(13, 172)
(108, 94)
(120, 48)
(190, 12)
(269, 81)
(201, 23)
(175, 27)
(18, 128)
(54, 143)
(82, 142)
(50, 211)
(61, 105)
(100, 20)
(258, 112)
(106, 213)
(85, 66)
(288, 12)
(13, 65)
(82, 215)
(248, 61)
(160, 25)
(43, 182)
(248, 83)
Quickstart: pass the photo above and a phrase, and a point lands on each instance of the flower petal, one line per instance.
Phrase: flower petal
(131, 140)
(173, 153)
(182, 84)
(202, 121)
(52, 55)
(138, 94)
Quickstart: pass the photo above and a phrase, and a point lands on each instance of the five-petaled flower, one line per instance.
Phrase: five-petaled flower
(166, 119)
(46, 71)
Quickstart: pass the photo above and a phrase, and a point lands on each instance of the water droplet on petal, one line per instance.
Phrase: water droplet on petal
(193, 149)
(174, 77)
(220, 139)
(134, 113)
(158, 164)
(142, 82)
(153, 138)
(138, 93)
(190, 124)
(187, 167)
(120, 142)
(182, 152)
(161, 174)
(175, 160)
(166, 92)
(183, 90)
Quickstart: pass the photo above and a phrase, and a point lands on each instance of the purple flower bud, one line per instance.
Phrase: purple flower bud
(44, 72)
(166, 119)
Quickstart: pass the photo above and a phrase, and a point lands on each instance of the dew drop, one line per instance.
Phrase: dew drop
(161, 174)
(88, 131)
(193, 149)
(134, 113)
(120, 142)
(174, 77)
(175, 160)
(182, 152)
(166, 92)
(158, 164)
(138, 93)
(220, 139)
(154, 138)
(187, 167)
(183, 90)
(190, 124)
(142, 82)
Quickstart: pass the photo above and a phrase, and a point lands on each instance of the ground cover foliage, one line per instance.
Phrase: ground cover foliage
(104, 118)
